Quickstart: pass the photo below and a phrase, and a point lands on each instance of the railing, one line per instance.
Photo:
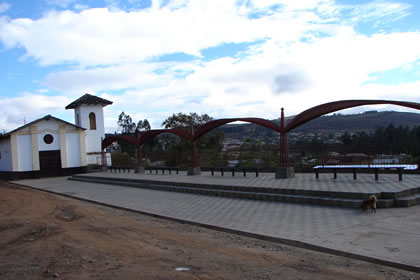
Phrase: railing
(233, 170)
(374, 167)
(170, 169)
(119, 168)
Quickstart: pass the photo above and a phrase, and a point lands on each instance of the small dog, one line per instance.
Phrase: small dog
(370, 203)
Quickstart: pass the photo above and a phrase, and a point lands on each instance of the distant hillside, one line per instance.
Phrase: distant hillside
(366, 121)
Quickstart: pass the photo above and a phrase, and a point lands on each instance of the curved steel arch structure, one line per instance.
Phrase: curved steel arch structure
(127, 138)
(216, 123)
(298, 120)
(317, 111)
(144, 137)
(141, 138)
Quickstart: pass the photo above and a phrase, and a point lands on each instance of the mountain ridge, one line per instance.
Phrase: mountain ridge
(366, 121)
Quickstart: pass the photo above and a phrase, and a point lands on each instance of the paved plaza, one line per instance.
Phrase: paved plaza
(365, 183)
(391, 236)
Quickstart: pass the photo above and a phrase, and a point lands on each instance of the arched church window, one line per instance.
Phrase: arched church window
(92, 121)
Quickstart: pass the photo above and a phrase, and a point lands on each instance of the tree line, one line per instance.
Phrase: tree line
(171, 149)
(389, 140)
(175, 151)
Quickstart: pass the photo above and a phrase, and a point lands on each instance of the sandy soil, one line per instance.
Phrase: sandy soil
(44, 236)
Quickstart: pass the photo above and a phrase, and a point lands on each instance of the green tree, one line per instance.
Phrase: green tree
(184, 120)
(143, 125)
(211, 143)
(129, 127)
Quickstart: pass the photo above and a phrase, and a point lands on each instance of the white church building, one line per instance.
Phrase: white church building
(53, 147)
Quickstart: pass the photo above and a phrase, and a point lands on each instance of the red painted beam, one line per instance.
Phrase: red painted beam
(127, 138)
(330, 107)
(216, 123)
(155, 132)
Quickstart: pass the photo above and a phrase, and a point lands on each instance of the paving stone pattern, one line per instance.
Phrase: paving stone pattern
(344, 182)
(392, 234)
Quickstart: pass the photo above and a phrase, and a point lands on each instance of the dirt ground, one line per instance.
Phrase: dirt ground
(44, 236)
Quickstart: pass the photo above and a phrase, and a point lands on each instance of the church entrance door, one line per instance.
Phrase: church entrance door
(50, 163)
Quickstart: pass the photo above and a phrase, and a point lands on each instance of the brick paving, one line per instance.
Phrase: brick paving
(365, 183)
(391, 235)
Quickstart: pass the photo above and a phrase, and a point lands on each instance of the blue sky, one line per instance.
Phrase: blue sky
(226, 58)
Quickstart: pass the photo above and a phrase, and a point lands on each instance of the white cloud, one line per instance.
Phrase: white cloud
(105, 78)
(101, 36)
(80, 7)
(296, 77)
(28, 107)
(379, 11)
(60, 3)
(308, 56)
(4, 7)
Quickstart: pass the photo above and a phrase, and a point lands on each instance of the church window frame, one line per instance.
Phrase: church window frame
(92, 121)
(48, 139)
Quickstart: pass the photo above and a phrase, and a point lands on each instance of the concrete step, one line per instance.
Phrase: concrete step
(395, 195)
(408, 200)
(246, 193)
(299, 192)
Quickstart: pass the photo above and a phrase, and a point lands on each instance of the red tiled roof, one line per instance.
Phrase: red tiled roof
(88, 100)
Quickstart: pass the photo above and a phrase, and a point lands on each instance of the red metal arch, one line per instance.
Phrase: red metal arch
(152, 133)
(330, 107)
(216, 123)
(127, 138)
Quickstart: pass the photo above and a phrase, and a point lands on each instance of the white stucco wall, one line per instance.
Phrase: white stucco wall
(24, 152)
(93, 137)
(48, 127)
(73, 150)
(6, 155)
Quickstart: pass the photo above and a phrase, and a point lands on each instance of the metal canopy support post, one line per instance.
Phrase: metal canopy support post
(194, 169)
(103, 158)
(285, 170)
(140, 167)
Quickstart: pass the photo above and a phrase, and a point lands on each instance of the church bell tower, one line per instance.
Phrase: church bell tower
(89, 114)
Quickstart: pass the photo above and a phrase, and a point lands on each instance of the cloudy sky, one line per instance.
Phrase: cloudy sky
(226, 58)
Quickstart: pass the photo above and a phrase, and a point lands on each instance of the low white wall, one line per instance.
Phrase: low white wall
(5, 155)
(94, 159)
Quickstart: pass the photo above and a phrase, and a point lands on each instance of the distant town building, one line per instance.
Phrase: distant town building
(387, 159)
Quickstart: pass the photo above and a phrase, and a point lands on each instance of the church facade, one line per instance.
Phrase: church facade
(53, 147)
